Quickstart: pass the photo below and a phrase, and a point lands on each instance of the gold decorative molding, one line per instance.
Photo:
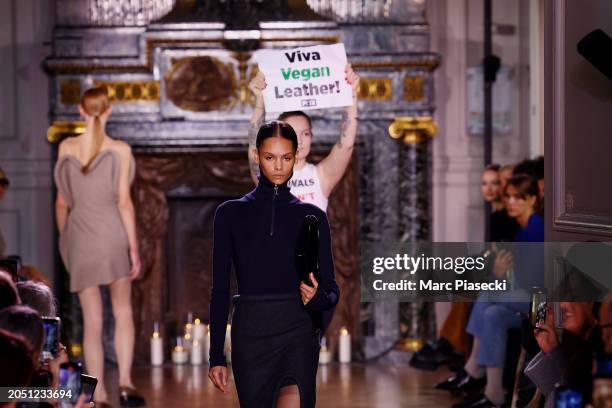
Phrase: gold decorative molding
(414, 89)
(60, 130)
(378, 89)
(413, 129)
(70, 91)
(152, 43)
(429, 64)
(131, 91)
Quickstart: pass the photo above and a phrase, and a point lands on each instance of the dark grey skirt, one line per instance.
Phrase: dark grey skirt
(275, 342)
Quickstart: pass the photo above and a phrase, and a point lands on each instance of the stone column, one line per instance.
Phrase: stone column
(416, 319)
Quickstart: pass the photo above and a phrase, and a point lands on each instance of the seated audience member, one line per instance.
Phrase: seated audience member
(567, 361)
(502, 226)
(38, 296)
(534, 168)
(16, 363)
(26, 322)
(8, 291)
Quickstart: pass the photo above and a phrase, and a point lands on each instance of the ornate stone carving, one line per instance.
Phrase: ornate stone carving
(200, 84)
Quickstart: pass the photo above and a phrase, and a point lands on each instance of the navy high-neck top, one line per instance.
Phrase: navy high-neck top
(258, 234)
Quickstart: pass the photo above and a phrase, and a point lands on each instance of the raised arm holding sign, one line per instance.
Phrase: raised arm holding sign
(310, 183)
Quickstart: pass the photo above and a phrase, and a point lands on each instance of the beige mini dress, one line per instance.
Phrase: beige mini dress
(94, 244)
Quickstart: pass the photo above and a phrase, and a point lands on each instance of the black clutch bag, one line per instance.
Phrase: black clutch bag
(307, 251)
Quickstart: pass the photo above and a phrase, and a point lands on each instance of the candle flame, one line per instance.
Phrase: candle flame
(178, 348)
(155, 335)
(344, 331)
(187, 336)
(197, 321)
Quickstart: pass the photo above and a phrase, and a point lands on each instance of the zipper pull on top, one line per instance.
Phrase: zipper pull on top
(273, 207)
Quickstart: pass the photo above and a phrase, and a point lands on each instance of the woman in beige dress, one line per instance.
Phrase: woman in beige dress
(98, 244)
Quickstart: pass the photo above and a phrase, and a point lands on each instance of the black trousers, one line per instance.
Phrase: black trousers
(274, 343)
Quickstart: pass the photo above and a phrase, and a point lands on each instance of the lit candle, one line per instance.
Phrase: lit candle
(157, 347)
(325, 356)
(179, 354)
(196, 353)
(198, 330)
(207, 342)
(344, 346)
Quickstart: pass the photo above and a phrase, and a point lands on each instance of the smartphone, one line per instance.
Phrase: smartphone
(70, 380)
(88, 386)
(537, 313)
(52, 334)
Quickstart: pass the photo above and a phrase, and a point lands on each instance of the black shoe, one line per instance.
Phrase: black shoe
(480, 401)
(451, 382)
(468, 386)
(433, 354)
(129, 397)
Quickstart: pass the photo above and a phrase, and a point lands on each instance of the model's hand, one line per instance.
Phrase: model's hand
(308, 292)
(257, 85)
(218, 376)
(545, 332)
(352, 79)
(135, 259)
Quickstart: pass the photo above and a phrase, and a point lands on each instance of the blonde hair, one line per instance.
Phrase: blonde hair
(95, 102)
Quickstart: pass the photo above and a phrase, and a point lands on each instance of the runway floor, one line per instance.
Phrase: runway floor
(338, 386)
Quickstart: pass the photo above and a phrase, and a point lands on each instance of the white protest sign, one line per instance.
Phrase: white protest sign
(305, 78)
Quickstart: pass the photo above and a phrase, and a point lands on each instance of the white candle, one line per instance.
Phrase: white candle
(179, 354)
(325, 356)
(157, 347)
(157, 350)
(198, 330)
(344, 352)
(207, 342)
(196, 353)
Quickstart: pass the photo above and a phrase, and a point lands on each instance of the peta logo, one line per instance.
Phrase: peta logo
(307, 103)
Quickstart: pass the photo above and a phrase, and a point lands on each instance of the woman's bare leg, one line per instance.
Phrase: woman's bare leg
(288, 397)
(91, 304)
(121, 299)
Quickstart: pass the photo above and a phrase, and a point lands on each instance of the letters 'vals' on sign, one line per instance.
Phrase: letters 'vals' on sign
(305, 78)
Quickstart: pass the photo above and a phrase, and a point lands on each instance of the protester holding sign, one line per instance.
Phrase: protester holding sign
(310, 183)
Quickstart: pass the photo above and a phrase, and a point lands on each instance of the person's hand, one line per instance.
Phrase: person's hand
(82, 402)
(54, 364)
(503, 262)
(135, 260)
(352, 79)
(257, 85)
(545, 332)
(218, 376)
(308, 292)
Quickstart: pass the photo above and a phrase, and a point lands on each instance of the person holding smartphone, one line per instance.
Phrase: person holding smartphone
(98, 243)
(275, 335)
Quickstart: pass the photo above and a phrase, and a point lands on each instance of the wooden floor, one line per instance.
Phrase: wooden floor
(338, 386)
